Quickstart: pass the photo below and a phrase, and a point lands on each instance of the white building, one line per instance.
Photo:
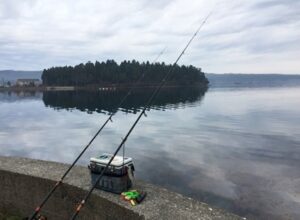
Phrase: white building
(28, 82)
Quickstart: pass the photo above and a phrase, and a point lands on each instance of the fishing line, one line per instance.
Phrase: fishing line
(109, 119)
(154, 94)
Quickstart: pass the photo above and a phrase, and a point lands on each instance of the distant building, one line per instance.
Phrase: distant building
(28, 82)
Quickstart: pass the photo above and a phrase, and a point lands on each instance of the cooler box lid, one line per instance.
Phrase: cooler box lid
(117, 161)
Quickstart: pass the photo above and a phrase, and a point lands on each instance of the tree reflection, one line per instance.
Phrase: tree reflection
(107, 101)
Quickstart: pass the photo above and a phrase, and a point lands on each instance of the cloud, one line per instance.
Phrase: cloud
(38, 34)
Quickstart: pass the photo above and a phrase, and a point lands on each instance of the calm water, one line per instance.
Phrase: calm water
(238, 149)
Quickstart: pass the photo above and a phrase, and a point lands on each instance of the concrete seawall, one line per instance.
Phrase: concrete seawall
(24, 182)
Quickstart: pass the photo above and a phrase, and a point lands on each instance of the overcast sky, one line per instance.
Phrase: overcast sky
(257, 36)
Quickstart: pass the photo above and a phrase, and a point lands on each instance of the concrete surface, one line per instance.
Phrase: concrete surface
(24, 182)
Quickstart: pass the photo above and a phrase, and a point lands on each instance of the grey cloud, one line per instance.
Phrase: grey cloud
(274, 3)
(162, 4)
(13, 9)
(39, 34)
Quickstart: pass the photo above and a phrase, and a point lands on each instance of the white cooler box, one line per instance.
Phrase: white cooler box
(119, 166)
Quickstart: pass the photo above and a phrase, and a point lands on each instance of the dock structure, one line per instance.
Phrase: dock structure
(23, 183)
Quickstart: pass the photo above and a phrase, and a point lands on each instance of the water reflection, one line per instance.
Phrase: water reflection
(13, 96)
(238, 149)
(107, 101)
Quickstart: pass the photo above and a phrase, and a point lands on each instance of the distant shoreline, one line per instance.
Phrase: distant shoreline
(89, 88)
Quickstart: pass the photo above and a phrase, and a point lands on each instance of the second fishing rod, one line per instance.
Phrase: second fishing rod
(143, 112)
(59, 182)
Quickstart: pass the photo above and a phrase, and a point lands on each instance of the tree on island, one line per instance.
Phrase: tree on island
(126, 73)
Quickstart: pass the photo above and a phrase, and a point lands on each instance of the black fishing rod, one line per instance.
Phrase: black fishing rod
(143, 112)
(57, 184)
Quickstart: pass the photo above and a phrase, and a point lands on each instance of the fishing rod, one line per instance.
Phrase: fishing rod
(109, 119)
(143, 112)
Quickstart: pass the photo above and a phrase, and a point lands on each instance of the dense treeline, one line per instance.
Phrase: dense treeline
(127, 72)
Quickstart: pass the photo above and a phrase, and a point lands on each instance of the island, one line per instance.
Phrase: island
(125, 74)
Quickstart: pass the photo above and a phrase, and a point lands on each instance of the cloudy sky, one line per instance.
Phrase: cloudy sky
(257, 36)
